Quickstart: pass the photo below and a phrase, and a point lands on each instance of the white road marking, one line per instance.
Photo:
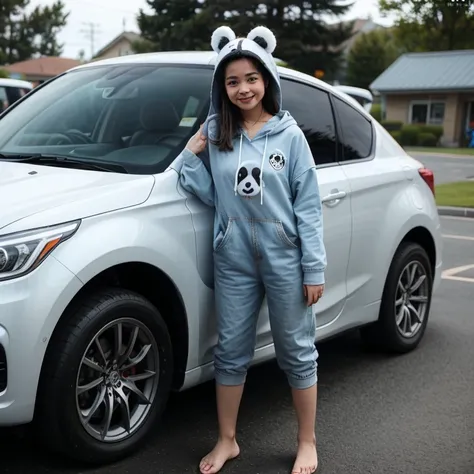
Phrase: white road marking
(452, 273)
(458, 237)
(458, 218)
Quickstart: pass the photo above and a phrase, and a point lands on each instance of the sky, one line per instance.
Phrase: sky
(108, 18)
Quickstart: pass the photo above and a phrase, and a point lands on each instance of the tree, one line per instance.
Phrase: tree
(304, 40)
(370, 55)
(432, 25)
(23, 35)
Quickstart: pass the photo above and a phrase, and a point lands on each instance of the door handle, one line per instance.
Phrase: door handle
(334, 197)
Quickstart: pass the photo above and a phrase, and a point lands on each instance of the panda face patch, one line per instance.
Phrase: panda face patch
(248, 181)
(277, 160)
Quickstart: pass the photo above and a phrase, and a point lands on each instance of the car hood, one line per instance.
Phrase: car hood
(35, 195)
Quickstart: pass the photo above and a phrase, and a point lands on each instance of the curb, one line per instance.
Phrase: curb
(456, 211)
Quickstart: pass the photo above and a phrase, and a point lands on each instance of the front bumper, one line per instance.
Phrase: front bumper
(30, 308)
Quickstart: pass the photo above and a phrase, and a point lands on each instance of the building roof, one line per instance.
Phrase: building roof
(128, 35)
(434, 71)
(47, 66)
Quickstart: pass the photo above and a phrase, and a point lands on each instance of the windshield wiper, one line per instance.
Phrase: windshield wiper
(63, 160)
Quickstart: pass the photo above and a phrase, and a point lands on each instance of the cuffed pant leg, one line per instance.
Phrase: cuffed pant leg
(239, 297)
(294, 330)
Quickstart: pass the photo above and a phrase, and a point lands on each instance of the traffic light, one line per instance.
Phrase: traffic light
(319, 74)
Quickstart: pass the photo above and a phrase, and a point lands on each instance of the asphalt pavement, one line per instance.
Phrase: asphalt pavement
(411, 414)
(448, 168)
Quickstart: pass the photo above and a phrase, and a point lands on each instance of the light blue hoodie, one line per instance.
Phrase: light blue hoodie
(271, 176)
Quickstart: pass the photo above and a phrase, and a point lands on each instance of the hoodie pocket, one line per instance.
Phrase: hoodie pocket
(223, 237)
(283, 235)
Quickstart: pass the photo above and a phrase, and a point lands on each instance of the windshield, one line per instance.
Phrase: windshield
(138, 116)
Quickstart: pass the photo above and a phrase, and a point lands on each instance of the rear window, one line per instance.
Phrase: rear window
(139, 116)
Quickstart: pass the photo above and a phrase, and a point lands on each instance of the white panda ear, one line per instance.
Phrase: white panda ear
(221, 37)
(263, 37)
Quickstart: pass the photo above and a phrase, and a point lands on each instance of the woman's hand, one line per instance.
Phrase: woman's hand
(197, 143)
(313, 293)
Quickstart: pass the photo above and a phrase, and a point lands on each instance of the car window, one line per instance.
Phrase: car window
(4, 103)
(15, 93)
(355, 131)
(139, 116)
(311, 108)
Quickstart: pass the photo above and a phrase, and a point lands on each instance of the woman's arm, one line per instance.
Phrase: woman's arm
(193, 174)
(308, 211)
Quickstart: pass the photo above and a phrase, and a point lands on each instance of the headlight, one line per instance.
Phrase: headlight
(22, 252)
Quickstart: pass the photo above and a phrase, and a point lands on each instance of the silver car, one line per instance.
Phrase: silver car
(106, 264)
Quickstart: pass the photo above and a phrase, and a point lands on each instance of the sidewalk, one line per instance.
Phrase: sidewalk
(456, 211)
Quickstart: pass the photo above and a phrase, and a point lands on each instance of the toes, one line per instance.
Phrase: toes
(205, 466)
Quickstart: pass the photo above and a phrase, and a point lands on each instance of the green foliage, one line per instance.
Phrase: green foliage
(436, 130)
(396, 134)
(376, 112)
(370, 55)
(4, 74)
(25, 34)
(431, 25)
(414, 135)
(304, 40)
(392, 125)
(427, 139)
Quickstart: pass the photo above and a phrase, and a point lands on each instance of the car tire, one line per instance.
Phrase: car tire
(91, 328)
(396, 330)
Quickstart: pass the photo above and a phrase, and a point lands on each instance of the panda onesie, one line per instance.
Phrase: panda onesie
(268, 235)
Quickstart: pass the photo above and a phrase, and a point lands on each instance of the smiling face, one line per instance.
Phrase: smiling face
(244, 84)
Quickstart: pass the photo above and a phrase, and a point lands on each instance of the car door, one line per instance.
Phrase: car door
(374, 184)
(311, 108)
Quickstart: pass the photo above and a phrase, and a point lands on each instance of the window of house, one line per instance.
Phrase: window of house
(356, 132)
(427, 112)
(311, 108)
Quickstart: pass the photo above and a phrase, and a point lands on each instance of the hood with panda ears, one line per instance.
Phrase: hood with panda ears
(259, 44)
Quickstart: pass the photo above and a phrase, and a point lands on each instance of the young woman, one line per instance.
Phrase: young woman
(268, 233)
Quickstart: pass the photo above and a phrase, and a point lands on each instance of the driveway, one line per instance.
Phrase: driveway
(411, 414)
(447, 168)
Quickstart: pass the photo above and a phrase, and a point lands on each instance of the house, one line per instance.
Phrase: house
(40, 69)
(121, 45)
(430, 88)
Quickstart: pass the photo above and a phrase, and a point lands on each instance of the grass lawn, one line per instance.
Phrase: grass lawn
(448, 151)
(460, 194)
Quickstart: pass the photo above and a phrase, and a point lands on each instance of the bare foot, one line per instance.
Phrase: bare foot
(306, 459)
(224, 451)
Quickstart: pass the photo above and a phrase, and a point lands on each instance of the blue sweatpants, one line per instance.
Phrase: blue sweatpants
(251, 258)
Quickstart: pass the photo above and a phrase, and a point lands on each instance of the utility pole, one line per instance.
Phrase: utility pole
(90, 32)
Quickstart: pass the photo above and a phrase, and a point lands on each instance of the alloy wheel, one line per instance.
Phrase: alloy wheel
(117, 380)
(412, 298)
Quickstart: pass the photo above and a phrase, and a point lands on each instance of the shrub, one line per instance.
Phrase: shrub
(396, 135)
(409, 135)
(392, 125)
(427, 139)
(436, 130)
(376, 112)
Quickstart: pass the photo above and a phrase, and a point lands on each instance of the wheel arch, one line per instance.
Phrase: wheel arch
(422, 236)
(154, 285)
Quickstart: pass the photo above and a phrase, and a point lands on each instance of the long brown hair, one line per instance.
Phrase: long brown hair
(229, 114)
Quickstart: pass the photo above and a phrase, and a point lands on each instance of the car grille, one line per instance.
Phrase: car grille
(3, 369)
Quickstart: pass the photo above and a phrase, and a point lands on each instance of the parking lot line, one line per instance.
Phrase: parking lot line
(458, 218)
(459, 237)
(453, 273)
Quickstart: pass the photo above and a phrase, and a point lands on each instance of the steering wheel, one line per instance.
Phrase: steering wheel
(70, 137)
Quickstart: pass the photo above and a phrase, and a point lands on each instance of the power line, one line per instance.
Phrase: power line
(90, 32)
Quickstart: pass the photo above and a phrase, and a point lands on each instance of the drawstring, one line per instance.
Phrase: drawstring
(261, 169)
(238, 167)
